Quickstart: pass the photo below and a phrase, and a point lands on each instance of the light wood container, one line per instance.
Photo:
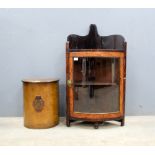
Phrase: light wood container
(41, 103)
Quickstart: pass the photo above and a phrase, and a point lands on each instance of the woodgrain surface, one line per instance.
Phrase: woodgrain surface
(94, 46)
(70, 90)
(49, 115)
(94, 41)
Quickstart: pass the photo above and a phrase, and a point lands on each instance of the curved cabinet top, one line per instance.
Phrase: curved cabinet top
(94, 41)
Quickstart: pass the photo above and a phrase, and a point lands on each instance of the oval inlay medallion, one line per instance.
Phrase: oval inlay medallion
(38, 103)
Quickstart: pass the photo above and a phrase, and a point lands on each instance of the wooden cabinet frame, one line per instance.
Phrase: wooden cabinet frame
(71, 115)
(94, 45)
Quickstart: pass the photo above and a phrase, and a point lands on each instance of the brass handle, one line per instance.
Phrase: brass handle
(69, 83)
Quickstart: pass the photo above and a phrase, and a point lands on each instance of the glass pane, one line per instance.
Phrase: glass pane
(96, 85)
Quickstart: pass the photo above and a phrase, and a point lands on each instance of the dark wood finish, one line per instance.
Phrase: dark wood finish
(93, 45)
(94, 41)
(96, 125)
(67, 90)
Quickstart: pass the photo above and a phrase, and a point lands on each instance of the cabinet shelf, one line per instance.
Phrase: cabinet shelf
(94, 83)
(95, 69)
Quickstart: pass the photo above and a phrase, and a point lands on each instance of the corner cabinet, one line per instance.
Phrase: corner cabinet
(95, 78)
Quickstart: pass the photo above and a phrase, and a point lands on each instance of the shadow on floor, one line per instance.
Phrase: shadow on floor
(86, 125)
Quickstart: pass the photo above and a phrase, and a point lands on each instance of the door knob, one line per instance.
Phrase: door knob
(69, 83)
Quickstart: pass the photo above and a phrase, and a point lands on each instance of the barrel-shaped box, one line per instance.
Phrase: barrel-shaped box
(41, 103)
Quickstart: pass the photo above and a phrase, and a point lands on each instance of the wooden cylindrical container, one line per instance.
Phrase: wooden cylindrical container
(41, 103)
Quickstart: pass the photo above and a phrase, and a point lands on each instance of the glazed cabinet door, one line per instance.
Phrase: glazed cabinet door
(96, 85)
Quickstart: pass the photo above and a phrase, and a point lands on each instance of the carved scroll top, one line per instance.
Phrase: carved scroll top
(94, 41)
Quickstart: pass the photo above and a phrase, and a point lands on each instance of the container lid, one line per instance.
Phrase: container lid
(40, 80)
